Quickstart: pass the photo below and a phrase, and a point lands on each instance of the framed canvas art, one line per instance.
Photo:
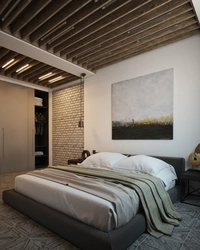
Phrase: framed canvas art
(142, 107)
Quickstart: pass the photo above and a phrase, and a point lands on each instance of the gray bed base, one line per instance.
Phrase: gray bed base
(84, 236)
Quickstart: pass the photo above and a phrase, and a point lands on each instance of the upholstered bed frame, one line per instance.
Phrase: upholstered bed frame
(80, 234)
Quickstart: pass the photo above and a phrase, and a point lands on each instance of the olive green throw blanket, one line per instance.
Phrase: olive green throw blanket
(160, 214)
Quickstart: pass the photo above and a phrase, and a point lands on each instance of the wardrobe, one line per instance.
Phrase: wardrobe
(17, 128)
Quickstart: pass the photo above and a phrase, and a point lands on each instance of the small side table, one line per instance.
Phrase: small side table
(188, 189)
(74, 161)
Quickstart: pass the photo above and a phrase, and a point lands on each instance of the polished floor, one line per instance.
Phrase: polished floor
(18, 232)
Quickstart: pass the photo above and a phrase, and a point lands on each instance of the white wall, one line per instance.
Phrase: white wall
(184, 57)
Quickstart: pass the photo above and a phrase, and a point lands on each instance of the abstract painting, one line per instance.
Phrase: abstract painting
(142, 107)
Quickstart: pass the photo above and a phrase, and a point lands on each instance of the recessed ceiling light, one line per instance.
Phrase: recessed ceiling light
(45, 76)
(9, 62)
(56, 79)
(22, 68)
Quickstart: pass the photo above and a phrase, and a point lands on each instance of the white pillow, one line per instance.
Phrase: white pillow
(167, 175)
(141, 163)
(102, 159)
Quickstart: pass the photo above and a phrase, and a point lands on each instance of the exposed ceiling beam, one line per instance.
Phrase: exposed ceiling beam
(24, 48)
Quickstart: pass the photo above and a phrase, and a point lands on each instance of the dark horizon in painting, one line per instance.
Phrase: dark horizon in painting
(143, 132)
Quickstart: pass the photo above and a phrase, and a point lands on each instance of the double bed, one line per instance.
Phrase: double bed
(85, 215)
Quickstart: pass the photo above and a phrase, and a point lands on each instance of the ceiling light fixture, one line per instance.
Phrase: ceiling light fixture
(9, 62)
(28, 67)
(81, 123)
(56, 79)
(45, 76)
(22, 68)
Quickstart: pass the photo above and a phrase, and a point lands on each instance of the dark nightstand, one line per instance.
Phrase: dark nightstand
(190, 187)
(74, 161)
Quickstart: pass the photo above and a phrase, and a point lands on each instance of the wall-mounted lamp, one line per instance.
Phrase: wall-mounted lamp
(81, 123)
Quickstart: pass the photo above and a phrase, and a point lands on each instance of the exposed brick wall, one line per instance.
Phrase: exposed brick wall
(67, 137)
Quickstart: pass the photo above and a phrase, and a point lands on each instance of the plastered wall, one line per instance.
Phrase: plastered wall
(184, 58)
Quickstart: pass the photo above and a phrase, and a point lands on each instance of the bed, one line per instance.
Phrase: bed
(81, 234)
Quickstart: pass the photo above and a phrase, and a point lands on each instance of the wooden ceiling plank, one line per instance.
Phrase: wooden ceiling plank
(167, 38)
(43, 16)
(58, 19)
(3, 51)
(9, 9)
(135, 45)
(113, 58)
(120, 21)
(122, 33)
(20, 7)
(88, 20)
(123, 41)
(30, 12)
(176, 31)
(147, 49)
(86, 27)
(3, 5)
(82, 14)
(128, 23)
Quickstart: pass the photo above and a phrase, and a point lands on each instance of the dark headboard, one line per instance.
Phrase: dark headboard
(177, 162)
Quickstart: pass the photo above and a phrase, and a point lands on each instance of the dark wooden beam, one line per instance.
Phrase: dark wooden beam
(43, 16)
(19, 8)
(145, 46)
(86, 27)
(115, 20)
(3, 51)
(122, 40)
(58, 19)
(81, 19)
(33, 9)
(3, 5)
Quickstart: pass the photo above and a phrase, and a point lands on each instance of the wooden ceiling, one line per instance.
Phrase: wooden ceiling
(89, 34)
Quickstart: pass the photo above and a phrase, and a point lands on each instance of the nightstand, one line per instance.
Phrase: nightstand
(74, 161)
(190, 187)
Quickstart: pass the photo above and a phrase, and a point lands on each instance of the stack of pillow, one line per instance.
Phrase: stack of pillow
(134, 164)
